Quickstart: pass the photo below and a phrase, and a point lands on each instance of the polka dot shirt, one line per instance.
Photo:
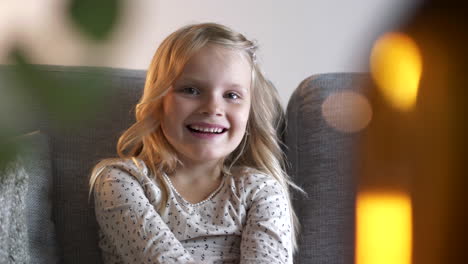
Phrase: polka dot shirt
(246, 220)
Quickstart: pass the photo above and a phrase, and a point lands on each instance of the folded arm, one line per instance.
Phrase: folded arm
(266, 237)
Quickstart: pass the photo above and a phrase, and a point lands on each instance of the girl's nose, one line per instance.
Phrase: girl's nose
(212, 106)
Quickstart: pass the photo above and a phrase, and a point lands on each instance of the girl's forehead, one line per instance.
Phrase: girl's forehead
(226, 51)
(221, 54)
(216, 62)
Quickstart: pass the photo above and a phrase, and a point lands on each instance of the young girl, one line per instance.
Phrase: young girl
(200, 176)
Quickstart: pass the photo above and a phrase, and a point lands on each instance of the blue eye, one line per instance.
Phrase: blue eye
(232, 96)
(190, 90)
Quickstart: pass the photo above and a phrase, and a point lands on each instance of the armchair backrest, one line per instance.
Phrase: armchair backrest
(322, 161)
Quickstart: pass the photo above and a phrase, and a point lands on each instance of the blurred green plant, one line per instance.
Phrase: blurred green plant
(95, 18)
(71, 102)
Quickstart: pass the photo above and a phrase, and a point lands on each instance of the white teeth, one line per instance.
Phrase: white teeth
(207, 129)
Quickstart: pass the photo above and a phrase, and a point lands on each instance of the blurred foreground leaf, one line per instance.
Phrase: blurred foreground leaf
(66, 102)
(95, 18)
(13, 146)
(9, 147)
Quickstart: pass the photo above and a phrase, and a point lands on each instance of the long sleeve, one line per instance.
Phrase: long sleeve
(134, 231)
(266, 237)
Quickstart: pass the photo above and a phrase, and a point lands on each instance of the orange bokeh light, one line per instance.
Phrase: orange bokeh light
(384, 228)
(396, 66)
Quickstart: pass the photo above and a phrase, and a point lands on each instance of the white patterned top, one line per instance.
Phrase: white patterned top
(246, 220)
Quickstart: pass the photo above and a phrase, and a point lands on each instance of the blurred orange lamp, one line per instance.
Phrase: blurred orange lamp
(383, 205)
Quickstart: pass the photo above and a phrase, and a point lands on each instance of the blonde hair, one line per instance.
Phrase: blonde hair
(259, 149)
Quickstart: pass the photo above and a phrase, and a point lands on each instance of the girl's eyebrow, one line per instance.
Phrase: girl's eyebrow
(190, 79)
(194, 80)
(238, 87)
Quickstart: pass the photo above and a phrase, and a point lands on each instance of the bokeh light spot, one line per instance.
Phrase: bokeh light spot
(396, 67)
(347, 111)
(384, 230)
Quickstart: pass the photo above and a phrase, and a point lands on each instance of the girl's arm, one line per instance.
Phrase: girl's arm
(266, 237)
(132, 227)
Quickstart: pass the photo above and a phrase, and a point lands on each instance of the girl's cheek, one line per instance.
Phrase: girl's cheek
(176, 101)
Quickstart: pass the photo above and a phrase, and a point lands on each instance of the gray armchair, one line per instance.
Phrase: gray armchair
(322, 161)
(61, 221)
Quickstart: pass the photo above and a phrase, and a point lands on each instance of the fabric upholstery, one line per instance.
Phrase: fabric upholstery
(13, 226)
(321, 162)
(43, 246)
(75, 150)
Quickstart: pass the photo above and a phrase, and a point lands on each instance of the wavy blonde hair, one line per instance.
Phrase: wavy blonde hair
(260, 147)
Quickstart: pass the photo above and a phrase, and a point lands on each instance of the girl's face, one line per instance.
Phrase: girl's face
(205, 112)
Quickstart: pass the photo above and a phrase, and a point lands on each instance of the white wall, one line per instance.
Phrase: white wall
(297, 38)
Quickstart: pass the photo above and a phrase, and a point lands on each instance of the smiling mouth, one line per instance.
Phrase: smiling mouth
(206, 130)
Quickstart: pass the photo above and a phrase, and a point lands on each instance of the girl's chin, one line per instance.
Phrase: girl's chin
(200, 159)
